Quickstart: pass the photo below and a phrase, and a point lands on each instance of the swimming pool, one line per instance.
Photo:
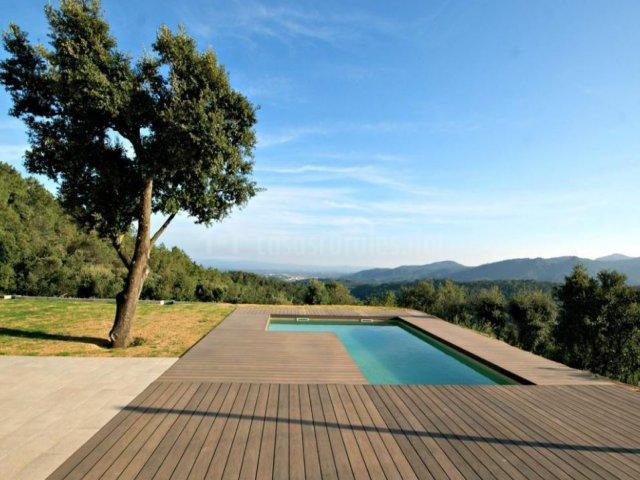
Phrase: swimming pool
(395, 353)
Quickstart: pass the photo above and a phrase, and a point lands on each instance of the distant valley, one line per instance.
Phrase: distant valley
(538, 269)
(284, 271)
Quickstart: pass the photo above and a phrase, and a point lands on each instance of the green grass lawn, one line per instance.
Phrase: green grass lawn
(68, 327)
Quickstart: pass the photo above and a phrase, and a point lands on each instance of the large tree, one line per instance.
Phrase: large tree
(125, 140)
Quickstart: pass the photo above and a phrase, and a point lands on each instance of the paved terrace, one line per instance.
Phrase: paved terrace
(247, 403)
(50, 406)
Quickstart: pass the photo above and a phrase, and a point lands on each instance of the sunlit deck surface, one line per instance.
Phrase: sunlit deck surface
(247, 403)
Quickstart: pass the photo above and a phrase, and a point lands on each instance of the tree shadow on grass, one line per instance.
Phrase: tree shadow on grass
(14, 332)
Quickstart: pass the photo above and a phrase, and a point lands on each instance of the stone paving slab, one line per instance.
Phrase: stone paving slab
(50, 406)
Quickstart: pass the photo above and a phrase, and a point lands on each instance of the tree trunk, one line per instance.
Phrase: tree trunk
(127, 300)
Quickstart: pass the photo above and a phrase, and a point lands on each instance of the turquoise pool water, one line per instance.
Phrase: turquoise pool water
(392, 353)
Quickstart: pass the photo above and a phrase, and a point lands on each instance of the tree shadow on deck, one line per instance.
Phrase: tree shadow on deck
(393, 431)
(14, 332)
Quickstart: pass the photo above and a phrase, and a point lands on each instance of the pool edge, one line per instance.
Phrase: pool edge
(386, 318)
(477, 358)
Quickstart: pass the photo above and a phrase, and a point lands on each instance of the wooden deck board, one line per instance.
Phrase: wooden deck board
(267, 447)
(325, 455)
(340, 454)
(251, 404)
(545, 461)
(470, 411)
(309, 440)
(484, 432)
(456, 463)
(166, 457)
(249, 462)
(379, 427)
(187, 456)
(541, 433)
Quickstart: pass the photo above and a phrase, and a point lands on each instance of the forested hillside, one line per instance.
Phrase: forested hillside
(42, 252)
(534, 269)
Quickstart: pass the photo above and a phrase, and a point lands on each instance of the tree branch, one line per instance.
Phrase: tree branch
(162, 228)
(117, 244)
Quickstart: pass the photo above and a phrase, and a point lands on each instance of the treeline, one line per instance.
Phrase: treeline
(587, 323)
(375, 293)
(42, 252)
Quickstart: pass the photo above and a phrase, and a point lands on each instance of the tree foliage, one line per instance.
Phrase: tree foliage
(533, 314)
(125, 139)
(102, 125)
(490, 307)
(421, 296)
(316, 293)
(599, 324)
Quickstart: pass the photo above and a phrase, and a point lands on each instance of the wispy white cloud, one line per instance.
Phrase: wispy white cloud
(365, 174)
(284, 21)
(272, 90)
(363, 156)
(288, 135)
(318, 207)
(292, 134)
(336, 224)
(384, 176)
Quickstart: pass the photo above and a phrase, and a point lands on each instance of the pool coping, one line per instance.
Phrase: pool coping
(241, 349)
(409, 326)
(507, 373)
(524, 367)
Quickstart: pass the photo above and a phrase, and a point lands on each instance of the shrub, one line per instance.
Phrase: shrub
(533, 314)
(490, 307)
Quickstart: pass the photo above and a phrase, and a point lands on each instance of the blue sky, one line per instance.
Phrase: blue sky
(410, 132)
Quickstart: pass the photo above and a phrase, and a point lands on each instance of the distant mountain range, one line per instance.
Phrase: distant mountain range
(540, 269)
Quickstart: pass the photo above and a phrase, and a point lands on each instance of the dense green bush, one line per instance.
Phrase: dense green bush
(421, 296)
(387, 298)
(338, 294)
(532, 315)
(316, 293)
(208, 291)
(598, 327)
(489, 307)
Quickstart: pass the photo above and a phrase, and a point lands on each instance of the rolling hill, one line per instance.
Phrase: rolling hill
(407, 273)
(538, 269)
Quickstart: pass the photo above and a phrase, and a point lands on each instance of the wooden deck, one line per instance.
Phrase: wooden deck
(271, 357)
(182, 430)
(231, 409)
